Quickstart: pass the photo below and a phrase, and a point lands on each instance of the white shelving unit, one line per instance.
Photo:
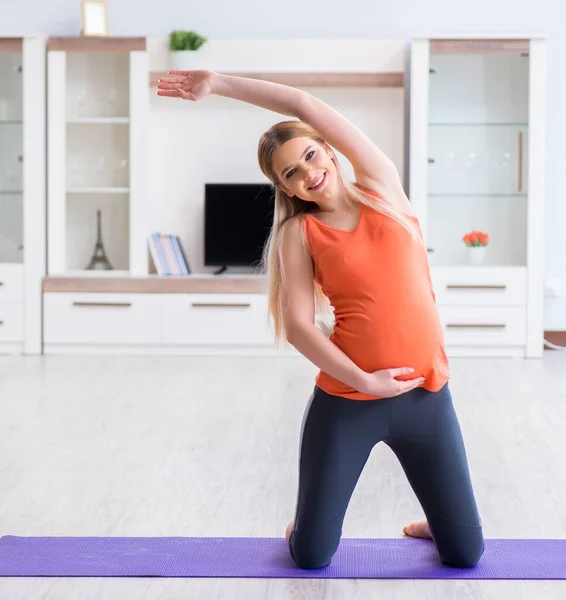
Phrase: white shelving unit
(477, 154)
(198, 314)
(22, 193)
(98, 109)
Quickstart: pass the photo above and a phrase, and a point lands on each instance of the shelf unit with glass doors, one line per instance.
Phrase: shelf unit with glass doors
(477, 147)
(98, 108)
(22, 193)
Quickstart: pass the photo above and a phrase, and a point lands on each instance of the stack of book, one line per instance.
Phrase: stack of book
(168, 255)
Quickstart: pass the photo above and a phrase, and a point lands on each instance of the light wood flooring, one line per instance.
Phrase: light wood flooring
(207, 446)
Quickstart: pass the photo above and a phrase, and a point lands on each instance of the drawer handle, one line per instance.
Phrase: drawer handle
(119, 304)
(221, 304)
(476, 325)
(476, 287)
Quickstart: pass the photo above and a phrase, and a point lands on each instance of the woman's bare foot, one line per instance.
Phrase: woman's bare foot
(418, 529)
(288, 531)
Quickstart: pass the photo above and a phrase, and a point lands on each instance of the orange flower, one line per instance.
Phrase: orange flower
(476, 238)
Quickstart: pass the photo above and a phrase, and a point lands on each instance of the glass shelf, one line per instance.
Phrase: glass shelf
(480, 161)
(102, 165)
(98, 87)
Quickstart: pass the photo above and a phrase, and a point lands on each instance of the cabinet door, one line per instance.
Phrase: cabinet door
(97, 318)
(11, 322)
(478, 149)
(216, 319)
(11, 157)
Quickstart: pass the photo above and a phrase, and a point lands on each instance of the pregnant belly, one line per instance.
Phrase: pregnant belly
(406, 340)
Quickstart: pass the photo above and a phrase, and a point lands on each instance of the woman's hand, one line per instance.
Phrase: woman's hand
(188, 85)
(383, 383)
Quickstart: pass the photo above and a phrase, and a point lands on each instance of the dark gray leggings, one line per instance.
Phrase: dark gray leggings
(422, 429)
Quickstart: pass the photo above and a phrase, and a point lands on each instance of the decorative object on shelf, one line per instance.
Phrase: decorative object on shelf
(99, 260)
(168, 255)
(183, 46)
(476, 241)
(94, 18)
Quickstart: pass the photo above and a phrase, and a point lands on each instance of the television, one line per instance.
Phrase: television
(237, 221)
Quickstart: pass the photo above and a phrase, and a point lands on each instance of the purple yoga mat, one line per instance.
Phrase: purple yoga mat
(403, 558)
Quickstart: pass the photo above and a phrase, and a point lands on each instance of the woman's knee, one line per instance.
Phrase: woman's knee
(309, 553)
(466, 552)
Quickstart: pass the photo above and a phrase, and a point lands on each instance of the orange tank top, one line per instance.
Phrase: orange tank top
(377, 279)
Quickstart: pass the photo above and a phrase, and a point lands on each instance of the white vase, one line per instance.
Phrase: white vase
(477, 254)
(184, 60)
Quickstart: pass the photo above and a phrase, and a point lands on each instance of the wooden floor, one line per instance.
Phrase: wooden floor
(184, 446)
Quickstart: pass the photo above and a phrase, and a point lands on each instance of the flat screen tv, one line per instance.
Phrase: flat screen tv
(237, 221)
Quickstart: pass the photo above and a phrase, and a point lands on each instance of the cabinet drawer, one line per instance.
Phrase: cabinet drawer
(11, 283)
(483, 325)
(211, 319)
(480, 286)
(102, 318)
(11, 322)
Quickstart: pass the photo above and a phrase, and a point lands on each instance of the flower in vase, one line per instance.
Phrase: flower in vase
(475, 239)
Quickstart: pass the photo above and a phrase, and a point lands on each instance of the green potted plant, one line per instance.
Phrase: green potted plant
(183, 46)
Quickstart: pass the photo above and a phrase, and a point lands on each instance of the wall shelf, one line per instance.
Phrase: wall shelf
(363, 80)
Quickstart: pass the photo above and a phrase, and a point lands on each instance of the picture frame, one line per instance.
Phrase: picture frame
(94, 18)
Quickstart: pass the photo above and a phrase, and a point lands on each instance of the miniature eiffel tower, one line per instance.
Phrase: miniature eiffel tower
(99, 260)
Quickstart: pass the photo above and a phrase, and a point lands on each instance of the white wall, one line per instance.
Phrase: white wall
(366, 19)
(216, 141)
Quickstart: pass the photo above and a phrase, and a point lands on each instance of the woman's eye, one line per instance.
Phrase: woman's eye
(309, 155)
(290, 173)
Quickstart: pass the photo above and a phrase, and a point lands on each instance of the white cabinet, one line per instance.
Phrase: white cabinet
(477, 147)
(98, 109)
(82, 321)
(22, 193)
(157, 323)
(481, 326)
(473, 286)
(11, 322)
(222, 320)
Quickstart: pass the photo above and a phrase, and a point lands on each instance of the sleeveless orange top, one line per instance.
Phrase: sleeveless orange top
(377, 279)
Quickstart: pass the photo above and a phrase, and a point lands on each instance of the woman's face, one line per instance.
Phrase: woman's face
(305, 169)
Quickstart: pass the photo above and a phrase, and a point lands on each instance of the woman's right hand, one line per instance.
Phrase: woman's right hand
(383, 383)
(188, 85)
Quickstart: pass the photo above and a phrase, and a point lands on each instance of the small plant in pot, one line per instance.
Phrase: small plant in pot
(183, 46)
(476, 241)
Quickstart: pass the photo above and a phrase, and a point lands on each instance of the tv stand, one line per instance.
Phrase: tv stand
(220, 271)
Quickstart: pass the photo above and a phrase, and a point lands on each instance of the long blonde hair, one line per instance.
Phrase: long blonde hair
(288, 208)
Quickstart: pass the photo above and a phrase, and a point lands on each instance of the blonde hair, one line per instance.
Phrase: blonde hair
(288, 208)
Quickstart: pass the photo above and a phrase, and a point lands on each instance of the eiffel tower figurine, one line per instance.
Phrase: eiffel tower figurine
(99, 260)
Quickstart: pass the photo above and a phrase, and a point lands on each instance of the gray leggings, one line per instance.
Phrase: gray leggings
(422, 429)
